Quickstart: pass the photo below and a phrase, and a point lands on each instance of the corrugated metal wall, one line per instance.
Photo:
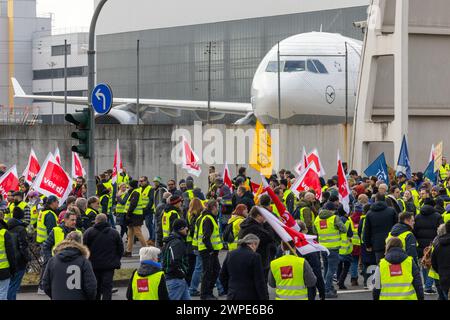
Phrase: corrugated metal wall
(174, 64)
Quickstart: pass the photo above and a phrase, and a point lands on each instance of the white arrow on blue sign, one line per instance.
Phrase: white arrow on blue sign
(102, 98)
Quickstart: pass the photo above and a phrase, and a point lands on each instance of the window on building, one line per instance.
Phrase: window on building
(59, 50)
(58, 73)
(294, 66)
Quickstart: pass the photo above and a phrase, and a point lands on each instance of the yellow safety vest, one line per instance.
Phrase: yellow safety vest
(329, 235)
(236, 228)
(446, 216)
(146, 288)
(275, 211)
(34, 213)
(416, 198)
(215, 236)
(123, 179)
(89, 210)
(11, 207)
(403, 204)
(59, 236)
(286, 194)
(396, 280)
(166, 227)
(101, 199)
(137, 211)
(42, 232)
(431, 273)
(120, 208)
(9, 213)
(302, 214)
(4, 263)
(401, 236)
(144, 198)
(108, 185)
(361, 221)
(288, 274)
(443, 171)
(356, 241)
(346, 243)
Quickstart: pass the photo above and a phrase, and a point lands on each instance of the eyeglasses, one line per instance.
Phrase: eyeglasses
(142, 180)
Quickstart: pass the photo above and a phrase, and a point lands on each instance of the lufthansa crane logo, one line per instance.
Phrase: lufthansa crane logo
(330, 94)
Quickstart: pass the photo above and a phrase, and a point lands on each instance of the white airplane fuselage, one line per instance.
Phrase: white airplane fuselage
(312, 79)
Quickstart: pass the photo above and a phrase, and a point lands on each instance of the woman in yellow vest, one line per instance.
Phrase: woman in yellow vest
(239, 215)
(397, 276)
(148, 282)
(121, 200)
(291, 276)
(195, 210)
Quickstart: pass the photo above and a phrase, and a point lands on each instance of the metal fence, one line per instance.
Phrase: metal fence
(28, 115)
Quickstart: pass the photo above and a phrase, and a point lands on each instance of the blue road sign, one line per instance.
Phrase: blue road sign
(102, 98)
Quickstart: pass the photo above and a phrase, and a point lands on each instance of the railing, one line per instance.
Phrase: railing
(20, 115)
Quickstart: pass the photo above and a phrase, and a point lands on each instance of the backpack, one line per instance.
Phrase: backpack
(426, 259)
(227, 234)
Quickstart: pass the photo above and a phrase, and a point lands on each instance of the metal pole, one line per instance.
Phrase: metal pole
(346, 102)
(209, 81)
(53, 104)
(91, 84)
(137, 83)
(65, 77)
(279, 84)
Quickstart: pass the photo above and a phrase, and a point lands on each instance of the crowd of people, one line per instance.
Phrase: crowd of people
(402, 228)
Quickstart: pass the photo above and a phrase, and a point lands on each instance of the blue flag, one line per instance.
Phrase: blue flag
(379, 169)
(430, 173)
(403, 164)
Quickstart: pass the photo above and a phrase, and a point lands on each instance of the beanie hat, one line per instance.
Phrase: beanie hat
(179, 224)
(175, 199)
(329, 206)
(51, 199)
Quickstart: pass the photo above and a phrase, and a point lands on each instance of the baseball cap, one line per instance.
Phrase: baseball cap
(157, 179)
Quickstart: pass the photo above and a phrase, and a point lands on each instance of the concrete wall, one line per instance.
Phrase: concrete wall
(147, 149)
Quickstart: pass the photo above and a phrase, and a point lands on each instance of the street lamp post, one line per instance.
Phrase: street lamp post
(52, 64)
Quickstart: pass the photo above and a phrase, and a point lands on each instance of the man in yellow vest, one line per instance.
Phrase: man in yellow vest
(404, 231)
(7, 260)
(288, 196)
(209, 245)
(329, 228)
(47, 219)
(18, 202)
(59, 233)
(147, 204)
(397, 276)
(305, 211)
(291, 276)
(148, 282)
(134, 218)
(444, 170)
(172, 212)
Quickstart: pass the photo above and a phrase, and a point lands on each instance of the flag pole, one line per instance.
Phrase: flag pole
(293, 251)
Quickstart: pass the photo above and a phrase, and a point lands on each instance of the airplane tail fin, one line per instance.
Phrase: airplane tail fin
(18, 91)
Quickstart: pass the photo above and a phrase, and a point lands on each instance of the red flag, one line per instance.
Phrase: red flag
(307, 181)
(302, 164)
(190, 159)
(57, 156)
(32, 168)
(77, 166)
(117, 165)
(344, 190)
(227, 177)
(255, 187)
(314, 157)
(9, 181)
(53, 180)
(287, 218)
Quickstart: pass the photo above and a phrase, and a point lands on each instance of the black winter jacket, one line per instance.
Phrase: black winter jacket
(158, 223)
(18, 229)
(440, 260)
(148, 268)
(48, 244)
(105, 245)
(69, 274)
(242, 275)
(208, 228)
(425, 228)
(131, 219)
(266, 238)
(9, 248)
(174, 256)
(397, 256)
(379, 221)
(247, 199)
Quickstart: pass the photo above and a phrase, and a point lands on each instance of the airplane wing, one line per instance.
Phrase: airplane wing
(188, 105)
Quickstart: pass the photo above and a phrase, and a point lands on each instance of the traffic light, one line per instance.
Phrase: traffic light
(82, 120)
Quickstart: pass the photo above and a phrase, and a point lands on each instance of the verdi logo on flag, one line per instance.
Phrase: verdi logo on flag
(309, 180)
(117, 165)
(261, 154)
(344, 190)
(32, 168)
(9, 181)
(77, 166)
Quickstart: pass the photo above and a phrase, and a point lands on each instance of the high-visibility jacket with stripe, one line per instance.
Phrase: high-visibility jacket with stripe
(42, 232)
(402, 236)
(329, 235)
(144, 199)
(59, 236)
(146, 288)
(216, 242)
(302, 214)
(4, 263)
(34, 214)
(120, 208)
(108, 185)
(107, 196)
(431, 273)
(166, 227)
(236, 221)
(22, 205)
(362, 223)
(346, 243)
(403, 204)
(443, 171)
(446, 216)
(356, 241)
(288, 274)
(137, 211)
(123, 179)
(396, 280)
(286, 194)
(275, 211)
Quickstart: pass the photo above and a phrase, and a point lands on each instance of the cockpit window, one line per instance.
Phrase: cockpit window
(294, 66)
(320, 66)
(273, 66)
(312, 67)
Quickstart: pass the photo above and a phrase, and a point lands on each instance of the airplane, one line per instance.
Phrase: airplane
(312, 87)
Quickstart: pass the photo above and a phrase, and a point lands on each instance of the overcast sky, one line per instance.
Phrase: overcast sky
(68, 13)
